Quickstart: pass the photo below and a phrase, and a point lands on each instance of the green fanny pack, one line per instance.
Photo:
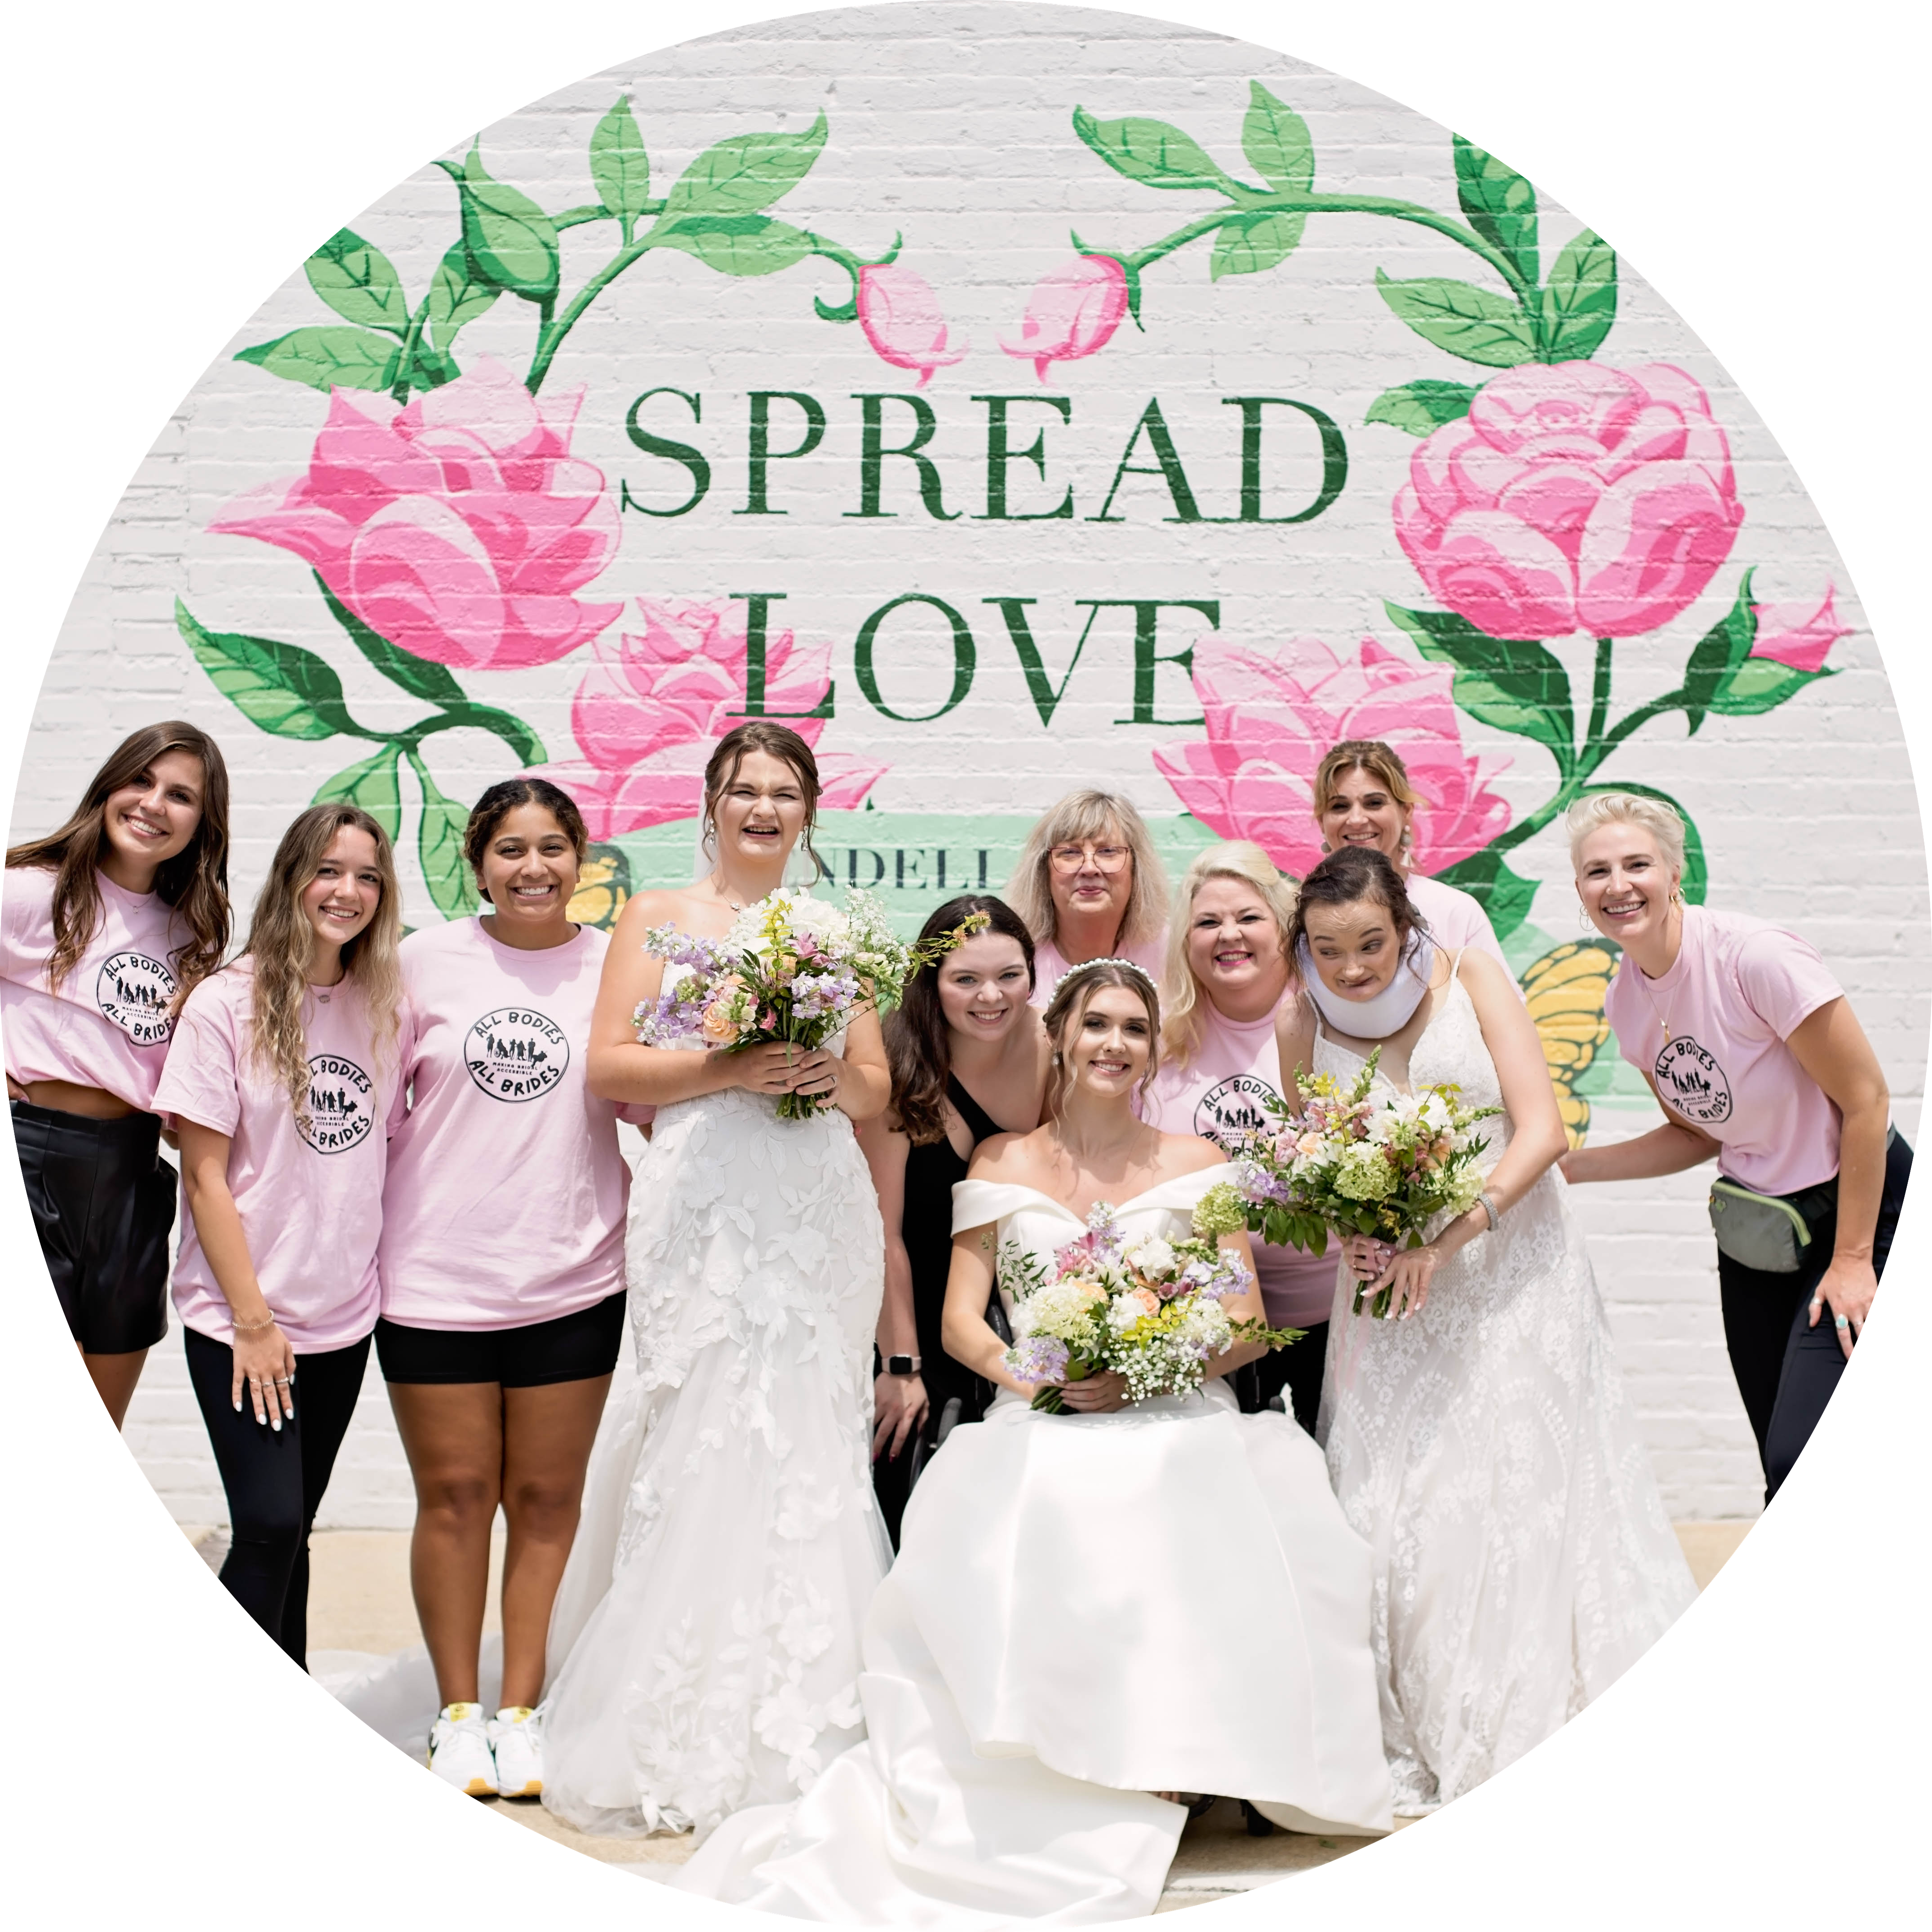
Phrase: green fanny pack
(1771, 1232)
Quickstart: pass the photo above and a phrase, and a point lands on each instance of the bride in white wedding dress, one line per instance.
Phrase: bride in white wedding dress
(1090, 1609)
(705, 1642)
(1480, 1438)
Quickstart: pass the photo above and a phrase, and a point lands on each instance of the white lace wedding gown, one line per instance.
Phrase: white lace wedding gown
(1487, 1451)
(705, 1641)
(1085, 1609)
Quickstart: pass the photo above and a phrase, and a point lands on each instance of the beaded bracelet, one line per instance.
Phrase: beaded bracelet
(253, 1327)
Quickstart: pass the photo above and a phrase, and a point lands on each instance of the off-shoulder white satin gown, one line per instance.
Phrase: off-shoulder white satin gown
(1085, 1609)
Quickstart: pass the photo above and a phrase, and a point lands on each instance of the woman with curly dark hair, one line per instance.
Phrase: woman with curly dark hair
(108, 923)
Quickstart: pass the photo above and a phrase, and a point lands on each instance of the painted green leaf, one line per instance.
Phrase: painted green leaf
(745, 173)
(1718, 653)
(1275, 140)
(430, 368)
(417, 676)
(452, 886)
(1759, 685)
(1515, 684)
(514, 732)
(1696, 867)
(358, 282)
(1466, 320)
(1151, 151)
(373, 785)
(1580, 302)
(618, 165)
(1504, 895)
(347, 358)
(1421, 407)
(1500, 206)
(456, 296)
(738, 245)
(511, 242)
(281, 688)
(1260, 242)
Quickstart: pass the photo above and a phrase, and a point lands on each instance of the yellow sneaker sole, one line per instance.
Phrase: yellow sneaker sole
(534, 1789)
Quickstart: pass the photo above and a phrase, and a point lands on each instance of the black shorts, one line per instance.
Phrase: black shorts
(102, 1202)
(570, 1348)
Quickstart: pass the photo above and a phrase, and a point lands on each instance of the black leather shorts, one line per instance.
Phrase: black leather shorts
(103, 1202)
(568, 1348)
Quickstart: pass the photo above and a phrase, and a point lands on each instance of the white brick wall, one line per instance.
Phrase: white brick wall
(951, 124)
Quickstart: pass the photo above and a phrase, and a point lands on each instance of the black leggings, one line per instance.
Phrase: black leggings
(275, 1479)
(1786, 1370)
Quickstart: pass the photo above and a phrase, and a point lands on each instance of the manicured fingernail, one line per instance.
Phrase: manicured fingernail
(277, 1425)
(237, 1409)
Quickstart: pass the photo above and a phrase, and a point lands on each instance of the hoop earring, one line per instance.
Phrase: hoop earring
(1326, 848)
(1582, 917)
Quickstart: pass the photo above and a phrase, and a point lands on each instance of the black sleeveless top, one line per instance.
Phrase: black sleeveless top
(926, 1228)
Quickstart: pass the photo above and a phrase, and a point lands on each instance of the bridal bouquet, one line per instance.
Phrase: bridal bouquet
(1382, 1167)
(792, 969)
(1149, 1308)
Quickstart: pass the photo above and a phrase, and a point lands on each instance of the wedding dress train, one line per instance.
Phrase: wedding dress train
(1085, 1609)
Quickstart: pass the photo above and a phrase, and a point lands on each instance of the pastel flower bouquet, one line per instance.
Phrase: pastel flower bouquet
(1149, 1309)
(792, 970)
(1382, 1167)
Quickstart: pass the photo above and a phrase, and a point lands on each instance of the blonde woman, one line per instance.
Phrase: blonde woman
(1089, 886)
(1755, 1057)
(280, 1081)
(1363, 797)
(1227, 974)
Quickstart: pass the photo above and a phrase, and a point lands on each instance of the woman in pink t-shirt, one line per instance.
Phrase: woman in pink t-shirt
(1090, 886)
(280, 1081)
(1363, 796)
(498, 1344)
(107, 925)
(1220, 1070)
(1756, 1056)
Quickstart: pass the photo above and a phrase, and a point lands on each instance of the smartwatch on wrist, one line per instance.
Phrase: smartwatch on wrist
(901, 1365)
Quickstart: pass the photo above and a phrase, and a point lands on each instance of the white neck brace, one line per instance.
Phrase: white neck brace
(1389, 1011)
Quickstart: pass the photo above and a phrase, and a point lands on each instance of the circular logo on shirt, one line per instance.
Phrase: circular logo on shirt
(341, 1105)
(516, 1054)
(134, 992)
(1227, 1114)
(1693, 1082)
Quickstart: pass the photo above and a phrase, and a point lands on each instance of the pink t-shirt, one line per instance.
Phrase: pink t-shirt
(108, 1025)
(1739, 988)
(507, 1190)
(1049, 963)
(1221, 1093)
(1456, 918)
(310, 1197)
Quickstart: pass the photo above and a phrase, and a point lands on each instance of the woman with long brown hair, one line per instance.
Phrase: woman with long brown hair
(107, 925)
(730, 1542)
(969, 1060)
(281, 1081)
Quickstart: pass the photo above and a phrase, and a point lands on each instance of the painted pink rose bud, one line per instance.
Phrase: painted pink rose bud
(460, 528)
(1270, 719)
(1797, 635)
(903, 321)
(652, 706)
(1574, 497)
(1073, 312)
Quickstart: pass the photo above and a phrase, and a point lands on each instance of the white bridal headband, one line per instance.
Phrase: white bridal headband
(1132, 966)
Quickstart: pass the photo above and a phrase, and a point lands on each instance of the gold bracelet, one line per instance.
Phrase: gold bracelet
(251, 1327)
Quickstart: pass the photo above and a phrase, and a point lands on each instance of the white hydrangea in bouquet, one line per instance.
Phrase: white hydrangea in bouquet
(1381, 1166)
(1149, 1309)
(792, 970)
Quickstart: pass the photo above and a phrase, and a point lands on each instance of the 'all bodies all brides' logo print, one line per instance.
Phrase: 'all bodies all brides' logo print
(135, 992)
(1694, 1083)
(1229, 1113)
(513, 1054)
(341, 1105)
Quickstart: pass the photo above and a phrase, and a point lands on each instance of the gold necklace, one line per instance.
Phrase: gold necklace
(1643, 980)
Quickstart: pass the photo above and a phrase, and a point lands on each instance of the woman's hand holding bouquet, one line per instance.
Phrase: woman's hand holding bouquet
(1148, 1310)
(1376, 1170)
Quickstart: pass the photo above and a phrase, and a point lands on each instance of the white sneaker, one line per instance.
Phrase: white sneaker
(459, 1750)
(516, 1738)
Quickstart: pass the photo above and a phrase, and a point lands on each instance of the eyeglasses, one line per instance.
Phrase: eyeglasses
(1102, 858)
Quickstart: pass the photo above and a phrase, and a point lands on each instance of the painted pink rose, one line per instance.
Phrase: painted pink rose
(1073, 312)
(1270, 720)
(903, 321)
(460, 528)
(651, 706)
(1799, 635)
(1574, 497)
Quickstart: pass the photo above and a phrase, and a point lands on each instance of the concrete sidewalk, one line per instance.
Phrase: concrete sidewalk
(359, 1601)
